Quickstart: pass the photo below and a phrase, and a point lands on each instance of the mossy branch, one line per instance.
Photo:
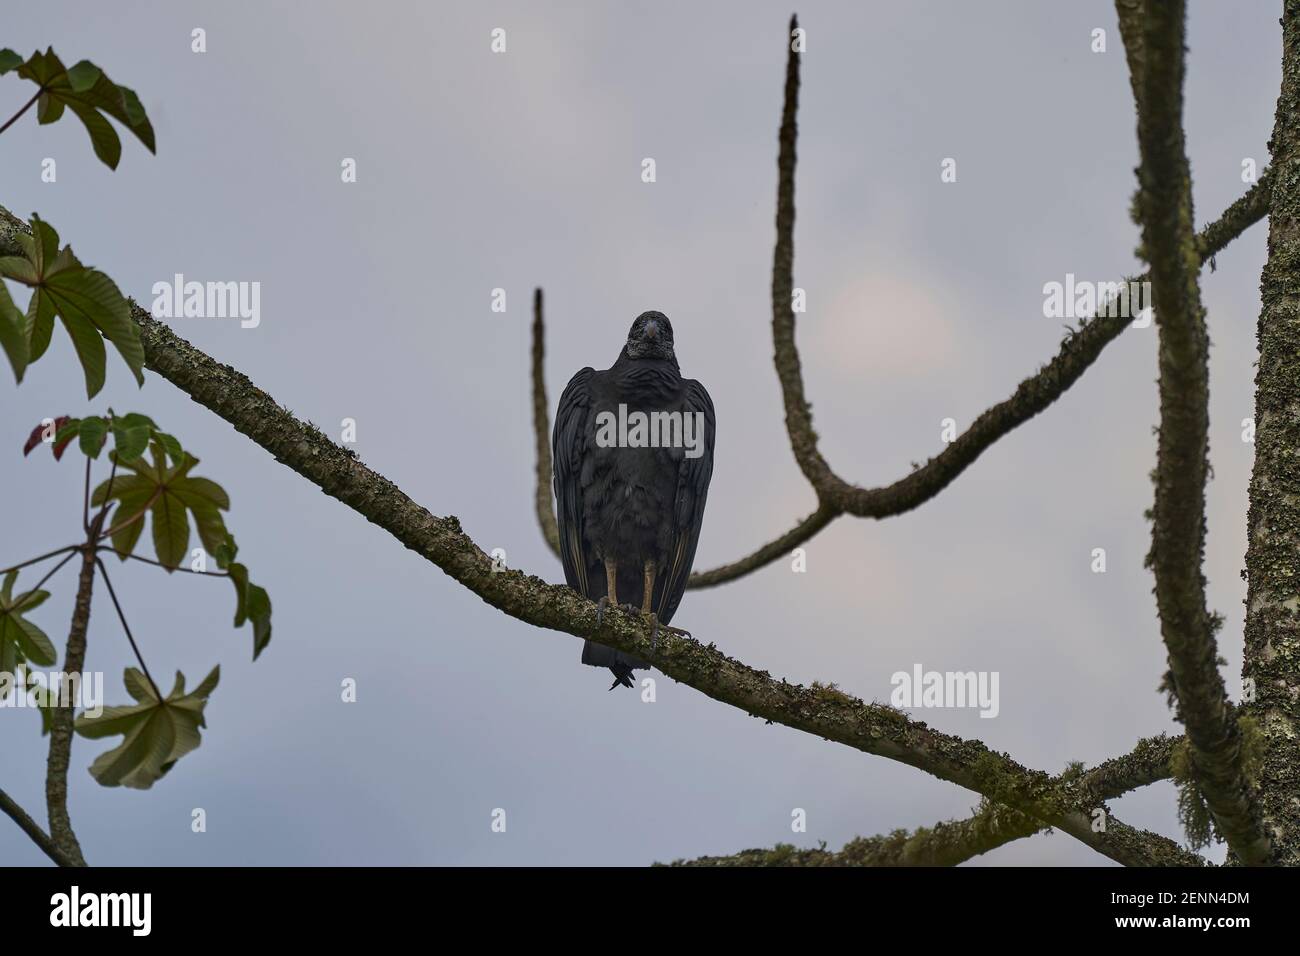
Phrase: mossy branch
(835, 496)
(1178, 534)
(870, 728)
(991, 825)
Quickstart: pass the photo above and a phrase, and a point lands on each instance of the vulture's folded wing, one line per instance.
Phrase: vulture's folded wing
(688, 512)
(568, 449)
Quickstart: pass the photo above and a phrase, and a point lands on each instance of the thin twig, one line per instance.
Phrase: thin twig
(48, 574)
(43, 557)
(26, 106)
(159, 564)
(85, 501)
(127, 627)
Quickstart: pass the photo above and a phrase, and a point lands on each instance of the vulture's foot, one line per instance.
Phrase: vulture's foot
(656, 627)
(600, 612)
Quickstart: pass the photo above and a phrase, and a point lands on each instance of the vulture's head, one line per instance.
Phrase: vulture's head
(651, 337)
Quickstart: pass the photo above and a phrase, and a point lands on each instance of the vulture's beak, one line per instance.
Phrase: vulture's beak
(651, 329)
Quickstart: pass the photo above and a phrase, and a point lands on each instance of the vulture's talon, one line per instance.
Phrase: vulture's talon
(600, 612)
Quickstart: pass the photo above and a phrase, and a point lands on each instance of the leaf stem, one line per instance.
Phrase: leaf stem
(132, 520)
(108, 490)
(85, 501)
(159, 564)
(43, 557)
(127, 627)
(26, 106)
(48, 574)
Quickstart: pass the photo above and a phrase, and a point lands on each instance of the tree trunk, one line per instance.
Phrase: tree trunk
(1272, 645)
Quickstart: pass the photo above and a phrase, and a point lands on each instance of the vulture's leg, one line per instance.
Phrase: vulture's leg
(649, 587)
(611, 596)
(646, 601)
(611, 580)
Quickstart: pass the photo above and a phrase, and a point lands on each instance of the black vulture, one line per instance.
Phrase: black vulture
(633, 450)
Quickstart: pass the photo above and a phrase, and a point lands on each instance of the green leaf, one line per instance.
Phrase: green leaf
(131, 437)
(156, 733)
(89, 303)
(90, 298)
(252, 603)
(171, 496)
(171, 530)
(9, 661)
(93, 433)
(26, 640)
(13, 333)
(239, 577)
(225, 552)
(89, 94)
(259, 612)
(171, 446)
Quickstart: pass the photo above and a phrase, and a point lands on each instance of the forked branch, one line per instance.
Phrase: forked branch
(836, 496)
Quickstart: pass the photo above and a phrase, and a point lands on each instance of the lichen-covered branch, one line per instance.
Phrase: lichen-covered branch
(947, 844)
(1178, 534)
(825, 712)
(542, 431)
(1033, 395)
(1272, 637)
(772, 551)
(34, 831)
(61, 719)
(836, 496)
(871, 728)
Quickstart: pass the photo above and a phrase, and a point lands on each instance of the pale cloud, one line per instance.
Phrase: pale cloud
(884, 325)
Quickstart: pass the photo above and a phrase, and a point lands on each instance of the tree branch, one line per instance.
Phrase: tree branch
(1033, 395)
(871, 728)
(1272, 637)
(33, 830)
(836, 496)
(945, 844)
(1178, 535)
(61, 714)
(542, 431)
(948, 844)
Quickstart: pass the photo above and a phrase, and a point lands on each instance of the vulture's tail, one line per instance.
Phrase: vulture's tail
(620, 665)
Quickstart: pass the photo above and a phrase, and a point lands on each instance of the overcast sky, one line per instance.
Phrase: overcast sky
(478, 171)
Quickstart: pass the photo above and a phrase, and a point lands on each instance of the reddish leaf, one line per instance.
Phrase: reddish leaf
(38, 436)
